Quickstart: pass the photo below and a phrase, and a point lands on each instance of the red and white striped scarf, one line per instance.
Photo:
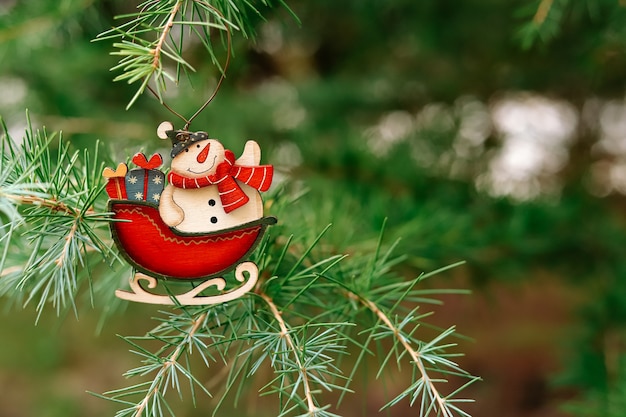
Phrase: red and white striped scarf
(231, 194)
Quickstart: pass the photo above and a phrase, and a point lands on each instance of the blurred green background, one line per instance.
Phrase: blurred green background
(476, 143)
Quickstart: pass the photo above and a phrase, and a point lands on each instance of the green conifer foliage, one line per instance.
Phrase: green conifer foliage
(313, 307)
(383, 119)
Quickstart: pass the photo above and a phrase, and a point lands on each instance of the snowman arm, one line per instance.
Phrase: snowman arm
(251, 154)
(170, 212)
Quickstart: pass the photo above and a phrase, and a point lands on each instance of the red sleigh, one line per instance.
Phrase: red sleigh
(158, 251)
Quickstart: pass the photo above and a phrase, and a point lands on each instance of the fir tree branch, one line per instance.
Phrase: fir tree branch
(168, 363)
(179, 335)
(542, 12)
(284, 333)
(50, 200)
(148, 38)
(311, 290)
(413, 353)
(543, 22)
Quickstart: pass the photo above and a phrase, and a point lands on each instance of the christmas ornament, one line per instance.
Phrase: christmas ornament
(201, 225)
(195, 224)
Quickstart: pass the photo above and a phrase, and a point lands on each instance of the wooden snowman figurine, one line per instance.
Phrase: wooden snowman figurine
(208, 221)
(208, 189)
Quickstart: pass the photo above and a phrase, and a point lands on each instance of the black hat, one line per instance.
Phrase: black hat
(182, 139)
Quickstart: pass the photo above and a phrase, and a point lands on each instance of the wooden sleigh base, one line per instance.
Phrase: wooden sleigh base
(192, 297)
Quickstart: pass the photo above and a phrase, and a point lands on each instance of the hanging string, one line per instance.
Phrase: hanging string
(222, 77)
(217, 87)
(164, 104)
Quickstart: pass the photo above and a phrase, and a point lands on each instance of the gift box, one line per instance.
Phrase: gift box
(116, 181)
(145, 183)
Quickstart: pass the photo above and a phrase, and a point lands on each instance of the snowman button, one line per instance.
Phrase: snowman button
(213, 219)
(211, 203)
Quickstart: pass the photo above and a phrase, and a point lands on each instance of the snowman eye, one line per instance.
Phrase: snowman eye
(198, 145)
(187, 150)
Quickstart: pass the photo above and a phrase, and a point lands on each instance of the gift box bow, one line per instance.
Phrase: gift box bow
(120, 171)
(142, 162)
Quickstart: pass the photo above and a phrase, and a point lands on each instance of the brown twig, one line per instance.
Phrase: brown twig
(156, 61)
(542, 12)
(68, 242)
(10, 270)
(49, 203)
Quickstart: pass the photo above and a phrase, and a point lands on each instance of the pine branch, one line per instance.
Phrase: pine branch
(166, 373)
(542, 12)
(312, 409)
(312, 291)
(545, 20)
(376, 287)
(424, 386)
(49, 199)
(297, 321)
(307, 310)
(405, 342)
(148, 45)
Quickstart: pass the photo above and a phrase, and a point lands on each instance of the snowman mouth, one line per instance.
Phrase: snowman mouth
(206, 170)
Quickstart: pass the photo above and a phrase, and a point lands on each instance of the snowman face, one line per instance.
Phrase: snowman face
(199, 159)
